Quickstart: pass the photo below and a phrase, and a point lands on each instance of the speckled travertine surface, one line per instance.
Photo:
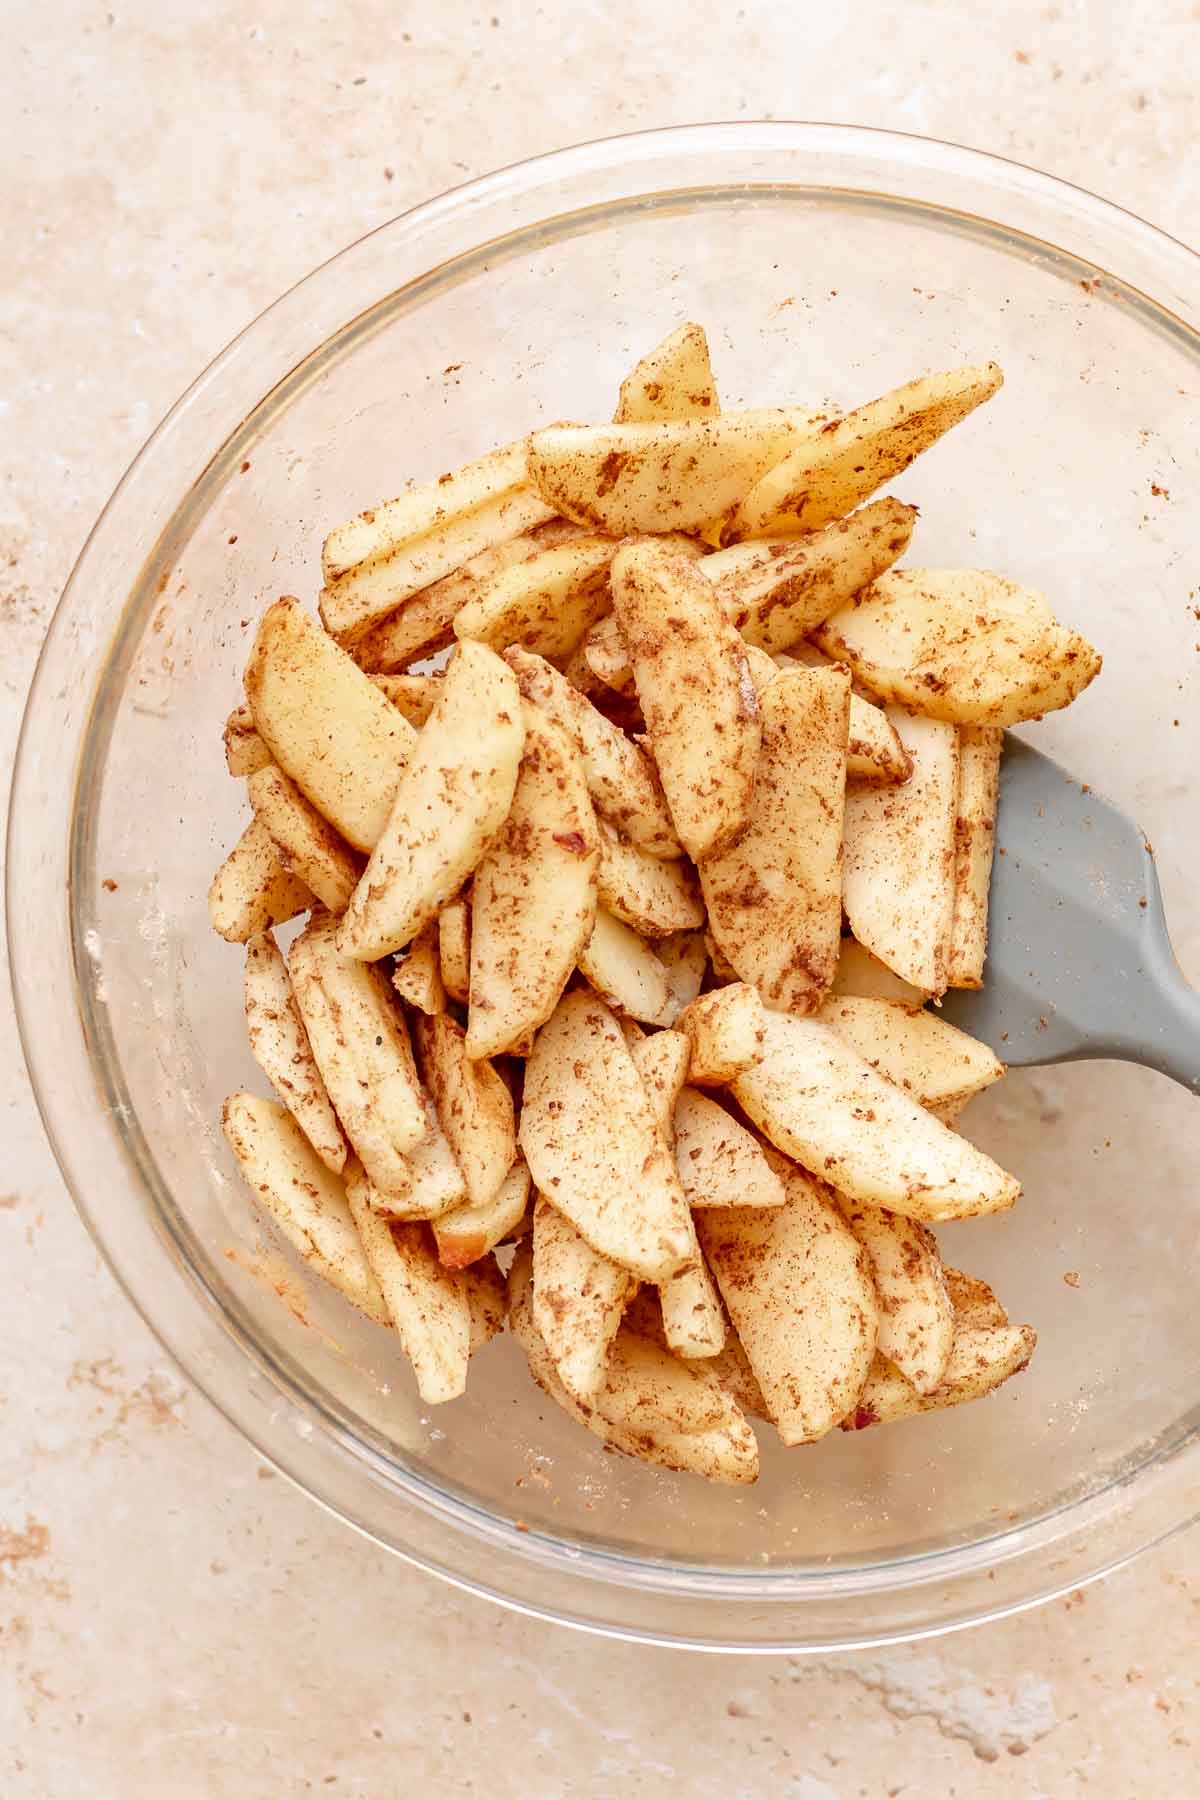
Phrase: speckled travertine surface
(175, 1622)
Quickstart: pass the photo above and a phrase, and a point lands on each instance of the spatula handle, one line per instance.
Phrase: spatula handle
(1169, 1034)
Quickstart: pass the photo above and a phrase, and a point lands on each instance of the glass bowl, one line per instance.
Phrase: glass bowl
(827, 264)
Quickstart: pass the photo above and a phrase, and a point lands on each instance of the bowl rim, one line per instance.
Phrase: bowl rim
(683, 1611)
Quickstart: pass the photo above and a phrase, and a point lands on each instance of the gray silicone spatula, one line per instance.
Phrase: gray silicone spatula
(1079, 962)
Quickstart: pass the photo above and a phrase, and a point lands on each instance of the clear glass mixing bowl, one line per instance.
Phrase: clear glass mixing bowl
(827, 264)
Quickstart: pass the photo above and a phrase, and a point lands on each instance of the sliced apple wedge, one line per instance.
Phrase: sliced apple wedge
(659, 477)
(361, 1046)
(842, 461)
(684, 957)
(692, 1314)
(775, 899)
(423, 624)
(673, 381)
(624, 970)
(916, 1316)
(621, 779)
(777, 591)
(438, 1184)
(819, 1102)
(799, 1291)
(720, 1163)
(428, 1306)
(693, 1317)
(487, 1300)
(470, 1233)
(533, 900)
(590, 1138)
(418, 974)
(306, 1200)
(279, 1044)
(974, 1302)
(862, 975)
(650, 1405)
(980, 750)
(727, 1032)
(981, 1359)
(730, 1367)
(545, 603)
(579, 1297)
(960, 644)
(873, 748)
(251, 891)
(653, 896)
(929, 1058)
(378, 559)
(454, 948)
(453, 797)
(244, 749)
(898, 856)
(473, 1105)
(662, 1062)
(304, 842)
(695, 692)
(326, 723)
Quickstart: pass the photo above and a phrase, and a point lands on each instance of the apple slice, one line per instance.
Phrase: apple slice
(428, 1305)
(250, 891)
(326, 723)
(546, 603)
(899, 858)
(673, 476)
(533, 900)
(775, 899)
(589, 1135)
(695, 691)
(279, 1045)
(929, 1058)
(673, 381)
(621, 779)
(306, 1200)
(579, 1297)
(916, 1317)
(841, 462)
(980, 750)
(453, 797)
(960, 644)
(360, 1042)
(819, 1102)
(777, 591)
(650, 1405)
(720, 1163)
(375, 561)
(799, 1291)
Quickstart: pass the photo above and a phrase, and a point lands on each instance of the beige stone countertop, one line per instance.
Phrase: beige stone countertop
(176, 1623)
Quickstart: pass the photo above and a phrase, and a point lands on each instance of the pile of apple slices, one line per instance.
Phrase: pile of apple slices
(623, 923)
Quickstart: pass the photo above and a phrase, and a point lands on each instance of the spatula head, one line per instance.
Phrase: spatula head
(1079, 961)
